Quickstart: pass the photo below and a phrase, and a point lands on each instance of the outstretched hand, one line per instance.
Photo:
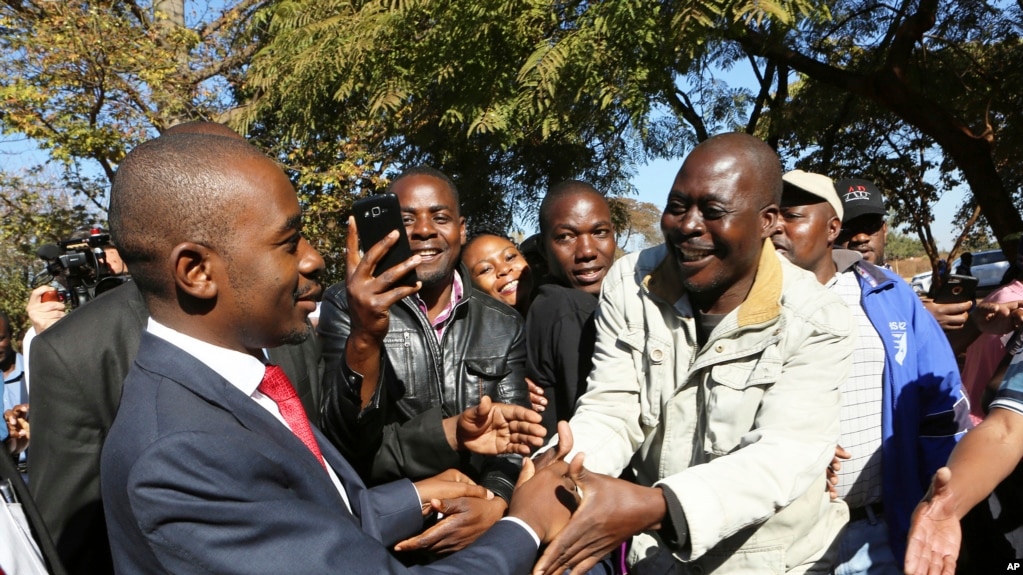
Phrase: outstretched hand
(449, 485)
(610, 511)
(998, 318)
(558, 452)
(495, 428)
(16, 420)
(465, 519)
(544, 498)
(935, 534)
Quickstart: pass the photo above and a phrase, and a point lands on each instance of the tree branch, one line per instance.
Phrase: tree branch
(139, 15)
(909, 33)
(229, 16)
(763, 96)
(235, 60)
(686, 110)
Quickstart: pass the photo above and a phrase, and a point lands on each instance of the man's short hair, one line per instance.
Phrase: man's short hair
(7, 322)
(169, 190)
(559, 191)
(432, 172)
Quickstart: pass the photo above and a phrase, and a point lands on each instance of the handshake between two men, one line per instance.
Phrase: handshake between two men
(580, 516)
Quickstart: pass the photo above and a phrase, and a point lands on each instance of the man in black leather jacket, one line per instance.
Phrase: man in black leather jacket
(403, 362)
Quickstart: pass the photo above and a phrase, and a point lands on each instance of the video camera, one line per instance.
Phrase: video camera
(80, 266)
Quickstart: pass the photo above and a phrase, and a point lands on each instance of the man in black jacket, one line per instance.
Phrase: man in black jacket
(401, 363)
(578, 244)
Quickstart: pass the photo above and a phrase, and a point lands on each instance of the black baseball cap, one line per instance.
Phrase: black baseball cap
(859, 198)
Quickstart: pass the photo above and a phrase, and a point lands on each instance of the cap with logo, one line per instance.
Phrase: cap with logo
(860, 198)
(816, 185)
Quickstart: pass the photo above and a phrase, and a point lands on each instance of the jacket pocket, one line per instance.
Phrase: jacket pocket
(733, 394)
(398, 346)
(653, 362)
(483, 376)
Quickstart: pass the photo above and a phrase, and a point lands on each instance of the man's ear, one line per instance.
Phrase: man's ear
(461, 229)
(769, 216)
(194, 270)
(834, 228)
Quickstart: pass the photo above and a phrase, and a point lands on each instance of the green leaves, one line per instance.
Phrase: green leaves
(86, 81)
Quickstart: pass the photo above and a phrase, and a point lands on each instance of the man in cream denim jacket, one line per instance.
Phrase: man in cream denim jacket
(715, 383)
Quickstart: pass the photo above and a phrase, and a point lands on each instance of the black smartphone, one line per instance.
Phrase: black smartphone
(957, 289)
(1015, 343)
(376, 216)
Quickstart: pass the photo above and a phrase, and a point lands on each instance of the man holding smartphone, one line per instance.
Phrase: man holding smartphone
(402, 362)
(903, 407)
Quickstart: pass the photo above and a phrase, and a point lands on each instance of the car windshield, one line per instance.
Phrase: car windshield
(983, 258)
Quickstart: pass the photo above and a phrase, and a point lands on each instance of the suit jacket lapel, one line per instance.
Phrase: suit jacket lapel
(173, 363)
(351, 481)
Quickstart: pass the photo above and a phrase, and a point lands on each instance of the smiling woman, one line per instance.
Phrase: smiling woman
(498, 269)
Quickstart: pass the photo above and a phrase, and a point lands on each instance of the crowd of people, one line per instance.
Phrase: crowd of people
(756, 394)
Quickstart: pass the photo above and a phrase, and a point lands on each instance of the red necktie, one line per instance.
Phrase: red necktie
(276, 386)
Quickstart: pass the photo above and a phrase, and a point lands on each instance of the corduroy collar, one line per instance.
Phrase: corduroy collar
(761, 305)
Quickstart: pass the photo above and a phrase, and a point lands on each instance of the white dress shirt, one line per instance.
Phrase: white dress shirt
(241, 370)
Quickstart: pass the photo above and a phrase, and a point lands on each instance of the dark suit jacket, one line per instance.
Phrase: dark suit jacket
(8, 470)
(78, 366)
(198, 478)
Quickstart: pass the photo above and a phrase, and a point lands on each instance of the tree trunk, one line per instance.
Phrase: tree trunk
(173, 17)
(971, 153)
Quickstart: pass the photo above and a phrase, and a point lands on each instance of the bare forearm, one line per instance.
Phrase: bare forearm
(984, 457)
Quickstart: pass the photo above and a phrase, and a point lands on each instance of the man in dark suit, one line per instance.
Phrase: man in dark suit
(206, 469)
(79, 365)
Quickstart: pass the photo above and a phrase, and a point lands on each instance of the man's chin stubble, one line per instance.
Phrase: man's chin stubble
(296, 336)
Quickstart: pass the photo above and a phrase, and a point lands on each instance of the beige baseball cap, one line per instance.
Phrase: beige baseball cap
(815, 184)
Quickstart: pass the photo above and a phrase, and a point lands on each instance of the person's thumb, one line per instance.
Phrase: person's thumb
(483, 409)
(527, 473)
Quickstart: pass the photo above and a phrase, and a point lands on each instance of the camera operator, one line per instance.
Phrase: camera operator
(46, 304)
(85, 265)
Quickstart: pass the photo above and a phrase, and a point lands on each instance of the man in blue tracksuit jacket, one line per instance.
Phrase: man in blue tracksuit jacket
(924, 410)
(903, 406)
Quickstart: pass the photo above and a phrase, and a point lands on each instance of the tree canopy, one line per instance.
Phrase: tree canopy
(510, 96)
(86, 81)
(920, 96)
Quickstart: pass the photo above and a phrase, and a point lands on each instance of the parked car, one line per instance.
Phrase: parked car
(988, 267)
(921, 282)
